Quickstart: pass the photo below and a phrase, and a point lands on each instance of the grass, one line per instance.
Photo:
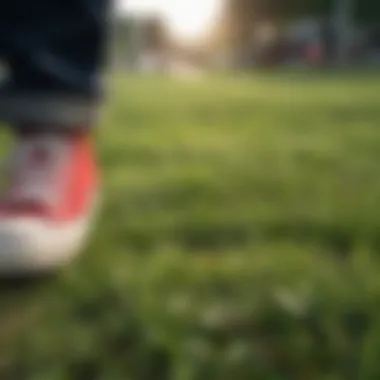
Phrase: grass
(239, 239)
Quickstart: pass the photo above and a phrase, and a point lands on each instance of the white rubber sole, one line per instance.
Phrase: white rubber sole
(32, 246)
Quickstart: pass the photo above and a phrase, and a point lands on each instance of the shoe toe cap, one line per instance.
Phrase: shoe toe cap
(28, 245)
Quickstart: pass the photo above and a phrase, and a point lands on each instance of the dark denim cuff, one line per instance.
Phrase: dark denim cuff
(52, 110)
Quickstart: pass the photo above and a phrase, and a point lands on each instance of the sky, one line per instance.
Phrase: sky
(188, 19)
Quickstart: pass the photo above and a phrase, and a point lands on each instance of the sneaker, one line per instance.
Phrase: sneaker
(48, 205)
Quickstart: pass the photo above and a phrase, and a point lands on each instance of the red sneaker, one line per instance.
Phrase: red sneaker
(47, 209)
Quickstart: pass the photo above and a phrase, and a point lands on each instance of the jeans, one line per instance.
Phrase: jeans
(54, 52)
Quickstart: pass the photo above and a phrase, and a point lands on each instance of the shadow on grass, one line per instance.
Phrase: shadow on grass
(19, 306)
(14, 285)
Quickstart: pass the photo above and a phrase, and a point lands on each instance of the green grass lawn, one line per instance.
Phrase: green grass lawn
(239, 239)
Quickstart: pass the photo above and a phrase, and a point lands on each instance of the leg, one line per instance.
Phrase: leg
(55, 52)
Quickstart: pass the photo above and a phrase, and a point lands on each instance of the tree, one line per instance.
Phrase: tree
(367, 11)
(156, 33)
(121, 44)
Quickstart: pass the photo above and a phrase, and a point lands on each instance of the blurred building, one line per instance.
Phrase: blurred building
(141, 43)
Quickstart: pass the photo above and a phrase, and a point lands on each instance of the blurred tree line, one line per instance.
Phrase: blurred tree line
(241, 18)
(238, 24)
(364, 11)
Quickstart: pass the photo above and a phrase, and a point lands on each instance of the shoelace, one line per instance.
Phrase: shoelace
(37, 171)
